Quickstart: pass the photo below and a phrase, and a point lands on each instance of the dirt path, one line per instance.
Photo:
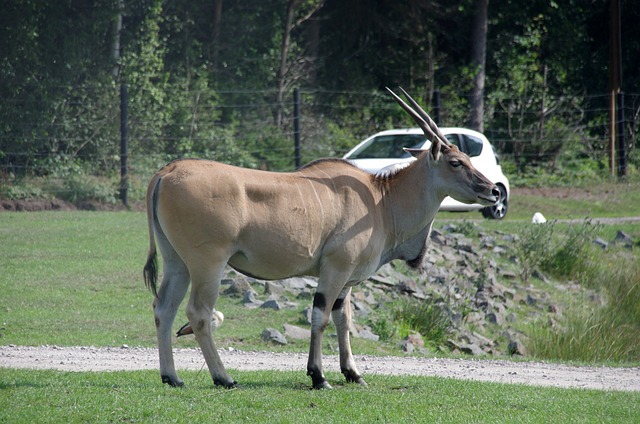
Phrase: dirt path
(530, 373)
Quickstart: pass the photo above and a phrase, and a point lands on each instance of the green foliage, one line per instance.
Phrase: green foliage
(546, 248)
(21, 190)
(534, 248)
(571, 251)
(429, 319)
(202, 88)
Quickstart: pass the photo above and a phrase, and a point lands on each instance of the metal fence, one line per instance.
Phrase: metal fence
(117, 142)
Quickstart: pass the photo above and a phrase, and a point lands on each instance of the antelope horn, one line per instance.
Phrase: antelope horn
(431, 135)
(425, 116)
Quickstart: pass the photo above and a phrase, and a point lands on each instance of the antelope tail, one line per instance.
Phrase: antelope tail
(150, 271)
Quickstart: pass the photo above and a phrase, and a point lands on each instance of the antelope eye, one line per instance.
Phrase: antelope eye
(455, 163)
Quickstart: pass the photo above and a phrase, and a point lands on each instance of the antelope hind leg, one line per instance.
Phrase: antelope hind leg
(204, 293)
(175, 282)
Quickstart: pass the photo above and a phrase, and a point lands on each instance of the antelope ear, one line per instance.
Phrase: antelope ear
(436, 147)
(413, 152)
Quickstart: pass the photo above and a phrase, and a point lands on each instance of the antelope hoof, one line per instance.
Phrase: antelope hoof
(227, 384)
(354, 378)
(173, 382)
(323, 385)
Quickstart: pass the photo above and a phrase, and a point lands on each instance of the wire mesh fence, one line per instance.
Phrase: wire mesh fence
(71, 141)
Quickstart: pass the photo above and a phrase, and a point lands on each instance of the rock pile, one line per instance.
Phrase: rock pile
(472, 275)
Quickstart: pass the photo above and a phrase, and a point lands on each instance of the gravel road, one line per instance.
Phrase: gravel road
(125, 358)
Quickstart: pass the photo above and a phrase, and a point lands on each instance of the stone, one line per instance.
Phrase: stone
(415, 339)
(367, 334)
(299, 283)
(308, 313)
(296, 332)
(361, 308)
(407, 286)
(495, 318)
(624, 239)
(407, 346)
(601, 243)
(515, 347)
(249, 300)
(273, 336)
(271, 304)
(273, 289)
(238, 288)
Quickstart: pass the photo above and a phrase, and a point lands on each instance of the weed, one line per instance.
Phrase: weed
(430, 320)
(533, 247)
(590, 332)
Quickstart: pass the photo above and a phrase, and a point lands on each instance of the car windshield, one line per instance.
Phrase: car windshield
(389, 146)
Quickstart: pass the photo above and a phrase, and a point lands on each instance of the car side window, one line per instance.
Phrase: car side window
(389, 146)
(455, 140)
(473, 145)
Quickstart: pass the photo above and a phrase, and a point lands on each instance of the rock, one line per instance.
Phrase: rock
(415, 339)
(271, 304)
(298, 283)
(601, 243)
(238, 288)
(554, 308)
(273, 336)
(296, 332)
(382, 280)
(515, 347)
(407, 287)
(308, 313)
(273, 288)
(495, 318)
(438, 238)
(364, 296)
(467, 348)
(407, 346)
(624, 239)
(361, 308)
(250, 301)
(508, 275)
(367, 334)
(531, 301)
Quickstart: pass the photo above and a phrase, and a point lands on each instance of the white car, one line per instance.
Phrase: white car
(385, 150)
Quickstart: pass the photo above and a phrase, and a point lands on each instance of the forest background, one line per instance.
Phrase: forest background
(215, 79)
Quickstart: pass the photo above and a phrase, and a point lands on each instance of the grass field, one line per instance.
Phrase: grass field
(74, 278)
(284, 397)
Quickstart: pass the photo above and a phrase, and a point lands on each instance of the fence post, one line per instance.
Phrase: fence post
(124, 141)
(296, 126)
(622, 148)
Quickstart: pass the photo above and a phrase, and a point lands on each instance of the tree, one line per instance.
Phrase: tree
(478, 63)
(291, 69)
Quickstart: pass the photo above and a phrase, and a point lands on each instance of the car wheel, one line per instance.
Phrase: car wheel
(499, 210)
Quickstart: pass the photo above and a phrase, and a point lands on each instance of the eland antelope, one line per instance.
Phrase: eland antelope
(327, 219)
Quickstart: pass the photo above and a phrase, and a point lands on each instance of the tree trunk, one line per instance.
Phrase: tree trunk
(215, 36)
(284, 52)
(478, 61)
(115, 46)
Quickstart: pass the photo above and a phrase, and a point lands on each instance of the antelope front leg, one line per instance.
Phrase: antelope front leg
(341, 313)
(319, 320)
